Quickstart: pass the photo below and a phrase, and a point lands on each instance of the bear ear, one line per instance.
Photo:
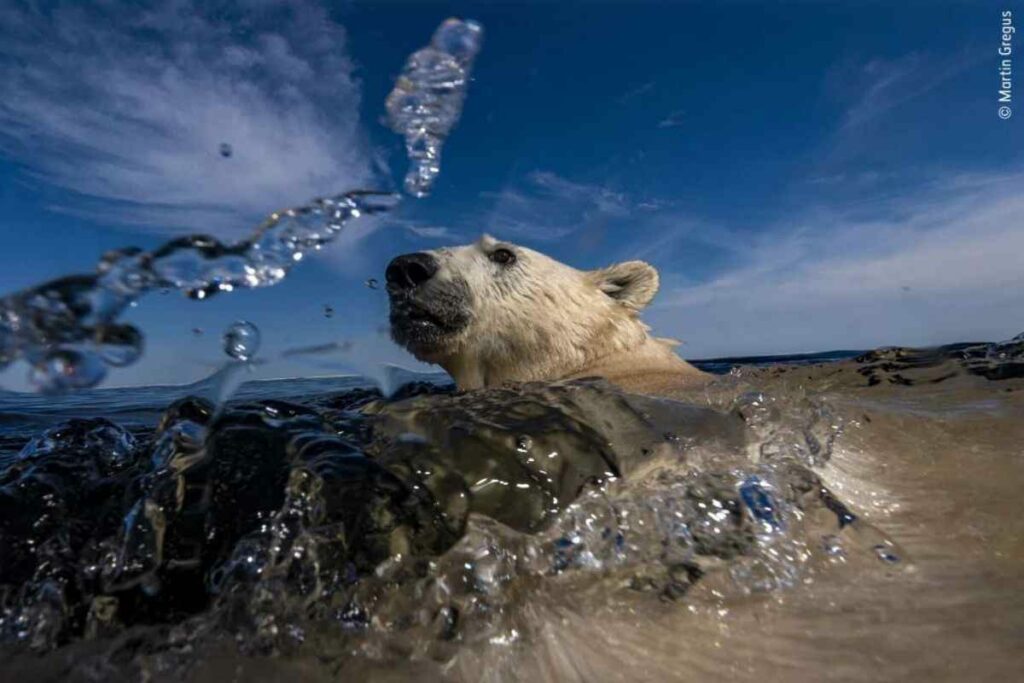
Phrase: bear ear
(632, 283)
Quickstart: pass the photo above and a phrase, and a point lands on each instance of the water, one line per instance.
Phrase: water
(67, 330)
(793, 519)
(850, 520)
(241, 340)
(427, 99)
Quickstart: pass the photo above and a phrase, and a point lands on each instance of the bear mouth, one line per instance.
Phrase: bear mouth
(424, 328)
(420, 317)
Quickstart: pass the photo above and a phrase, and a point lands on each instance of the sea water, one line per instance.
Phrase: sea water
(850, 520)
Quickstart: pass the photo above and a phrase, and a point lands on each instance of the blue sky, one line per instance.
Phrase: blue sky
(806, 176)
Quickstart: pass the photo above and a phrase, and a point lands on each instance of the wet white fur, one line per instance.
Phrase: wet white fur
(540, 319)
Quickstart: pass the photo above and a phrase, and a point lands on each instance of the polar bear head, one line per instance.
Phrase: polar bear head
(493, 311)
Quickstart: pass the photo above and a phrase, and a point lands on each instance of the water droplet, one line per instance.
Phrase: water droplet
(242, 340)
(197, 331)
(372, 283)
(328, 311)
(225, 150)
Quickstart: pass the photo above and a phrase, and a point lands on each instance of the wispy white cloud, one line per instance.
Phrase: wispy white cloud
(126, 106)
(670, 229)
(434, 232)
(548, 207)
(879, 85)
(675, 119)
(634, 93)
(938, 265)
(420, 229)
(897, 253)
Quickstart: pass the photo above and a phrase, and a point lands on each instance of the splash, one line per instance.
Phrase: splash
(427, 99)
(421, 519)
(464, 529)
(68, 330)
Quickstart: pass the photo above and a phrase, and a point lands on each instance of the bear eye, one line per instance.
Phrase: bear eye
(503, 256)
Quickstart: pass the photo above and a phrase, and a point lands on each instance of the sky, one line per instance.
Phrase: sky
(806, 176)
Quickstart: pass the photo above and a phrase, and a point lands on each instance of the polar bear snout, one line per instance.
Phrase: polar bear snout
(428, 312)
(409, 271)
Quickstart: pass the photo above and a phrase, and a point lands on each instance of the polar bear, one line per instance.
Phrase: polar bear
(494, 312)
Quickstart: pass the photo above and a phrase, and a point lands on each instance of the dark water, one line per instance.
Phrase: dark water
(720, 366)
(21, 414)
(769, 526)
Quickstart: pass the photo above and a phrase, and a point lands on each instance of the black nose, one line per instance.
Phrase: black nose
(410, 270)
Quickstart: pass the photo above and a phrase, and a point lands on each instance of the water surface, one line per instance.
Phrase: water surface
(847, 520)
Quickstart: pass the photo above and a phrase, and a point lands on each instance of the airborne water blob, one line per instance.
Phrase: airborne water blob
(427, 99)
(242, 340)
